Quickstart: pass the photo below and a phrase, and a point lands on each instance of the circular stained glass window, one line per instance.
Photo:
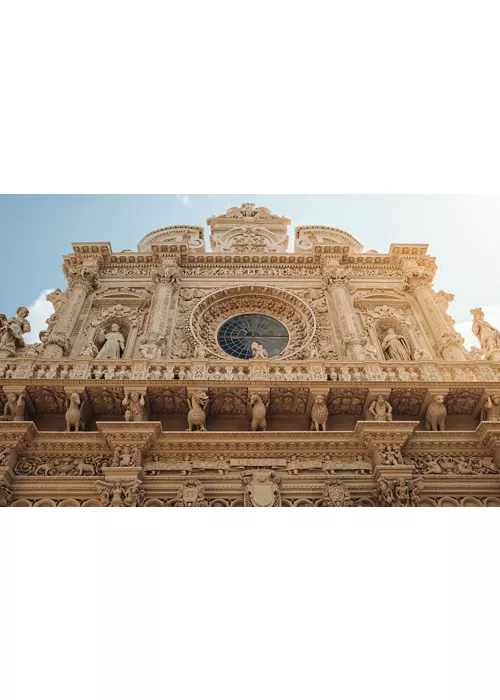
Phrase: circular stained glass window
(237, 335)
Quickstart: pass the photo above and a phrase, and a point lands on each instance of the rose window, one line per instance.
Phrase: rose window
(237, 335)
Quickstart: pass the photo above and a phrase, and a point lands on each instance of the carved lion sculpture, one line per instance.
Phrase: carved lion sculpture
(258, 412)
(435, 416)
(196, 416)
(319, 414)
(73, 414)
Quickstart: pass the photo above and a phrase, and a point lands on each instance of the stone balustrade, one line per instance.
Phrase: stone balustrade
(270, 370)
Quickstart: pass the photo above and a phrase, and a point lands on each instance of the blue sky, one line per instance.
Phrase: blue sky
(462, 231)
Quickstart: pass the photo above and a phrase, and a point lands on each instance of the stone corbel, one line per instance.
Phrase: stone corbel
(13, 440)
(137, 438)
(378, 436)
(490, 438)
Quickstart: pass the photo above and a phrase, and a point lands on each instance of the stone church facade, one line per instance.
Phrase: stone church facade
(246, 375)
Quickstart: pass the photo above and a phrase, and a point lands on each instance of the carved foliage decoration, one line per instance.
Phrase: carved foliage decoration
(168, 400)
(106, 400)
(462, 401)
(228, 401)
(407, 402)
(288, 401)
(47, 400)
(346, 402)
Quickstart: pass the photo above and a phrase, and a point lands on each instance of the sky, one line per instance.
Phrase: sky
(463, 233)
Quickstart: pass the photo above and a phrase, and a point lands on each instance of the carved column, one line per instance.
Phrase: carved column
(339, 289)
(419, 282)
(81, 283)
(166, 280)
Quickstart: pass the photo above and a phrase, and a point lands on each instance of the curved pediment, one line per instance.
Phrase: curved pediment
(307, 237)
(192, 236)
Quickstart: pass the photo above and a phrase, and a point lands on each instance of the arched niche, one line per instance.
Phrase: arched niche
(124, 327)
(92, 503)
(69, 503)
(45, 503)
(382, 325)
(154, 503)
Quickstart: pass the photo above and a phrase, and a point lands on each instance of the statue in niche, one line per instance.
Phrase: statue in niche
(12, 330)
(396, 347)
(114, 346)
(488, 336)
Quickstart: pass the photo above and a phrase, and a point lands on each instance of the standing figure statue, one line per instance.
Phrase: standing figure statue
(12, 330)
(114, 346)
(396, 347)
(489, 337)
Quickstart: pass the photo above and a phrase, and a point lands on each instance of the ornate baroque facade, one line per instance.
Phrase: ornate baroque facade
(249, 376)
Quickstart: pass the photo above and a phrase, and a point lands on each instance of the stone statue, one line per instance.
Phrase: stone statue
(10, 410)
(89, 350)
(489, 337)
(134, 403)
(421, 355)
(259, 352)
(73, 415)
(475, 354)
(380, 410)
(259, 408)
(435, 416)
(114, 346)
(370, 352)
(491, 409)
(57, 298)
(12, 330)
(396, 347)
(319, 414)
(196, 416)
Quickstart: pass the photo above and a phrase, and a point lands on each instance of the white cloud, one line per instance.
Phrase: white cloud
(184, 199)
(491, 315)
(40, 310)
